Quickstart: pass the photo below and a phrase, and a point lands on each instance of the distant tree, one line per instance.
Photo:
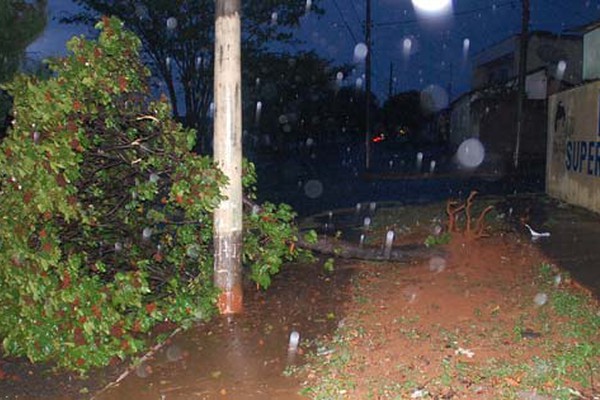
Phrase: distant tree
(403, 114)
(22, 22)
(349, 108)
(289, 96)
(178, 40)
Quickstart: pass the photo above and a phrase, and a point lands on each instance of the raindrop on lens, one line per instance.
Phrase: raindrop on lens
(470, 153)
(540, 299)
(466, 46)
(283, 119)
(192, 251)
(406, 46)
(561, 67)
(360, 52)
(372, 206)
(172, 23)
(437, 264)
(308, 5)
(433, 99)
(432, 166)
(389, 241)
(141, 11)
(143, 370)
(174, 353)
(147, 233)
(258, 111)
(557, 280)
(313, 189)
(419, 162)
(294, 341)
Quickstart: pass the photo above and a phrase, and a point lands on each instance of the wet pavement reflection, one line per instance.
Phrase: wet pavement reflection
(573, 243)
(244, 357)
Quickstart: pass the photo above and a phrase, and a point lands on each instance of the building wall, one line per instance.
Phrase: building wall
(573, 167)
(591, 55)
(498, 118)
(464, 122)
(547, 50)
(500, 63)
(460, 120)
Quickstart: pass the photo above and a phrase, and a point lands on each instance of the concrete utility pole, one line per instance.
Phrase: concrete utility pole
(227, 231)
(522, 77)
(368, 88)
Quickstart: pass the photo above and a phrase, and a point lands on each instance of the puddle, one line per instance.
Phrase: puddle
(573, 236)
(244, 357)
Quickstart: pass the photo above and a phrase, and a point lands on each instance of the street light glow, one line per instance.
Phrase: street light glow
(432, 6)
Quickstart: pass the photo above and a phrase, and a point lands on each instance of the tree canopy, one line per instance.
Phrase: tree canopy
(22, 22)
(178, 39)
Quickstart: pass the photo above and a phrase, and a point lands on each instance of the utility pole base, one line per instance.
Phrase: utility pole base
(230, 302)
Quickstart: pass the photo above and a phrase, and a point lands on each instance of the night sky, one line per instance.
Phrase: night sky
(437, 44)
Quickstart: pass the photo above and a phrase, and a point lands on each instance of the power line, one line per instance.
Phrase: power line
(356, 14)
(344, 21)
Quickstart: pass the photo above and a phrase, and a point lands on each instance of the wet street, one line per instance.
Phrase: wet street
(245, 357)
(573, 240)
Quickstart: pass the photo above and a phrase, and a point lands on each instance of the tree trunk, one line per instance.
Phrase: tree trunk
(228, 155)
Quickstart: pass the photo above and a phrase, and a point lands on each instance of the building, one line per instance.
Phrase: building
(559, 55)
(573, 167)
(488, 112)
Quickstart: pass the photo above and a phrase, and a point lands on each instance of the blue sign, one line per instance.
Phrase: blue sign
(583, 156)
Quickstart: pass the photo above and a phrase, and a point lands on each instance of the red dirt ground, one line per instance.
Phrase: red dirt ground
(436, 331)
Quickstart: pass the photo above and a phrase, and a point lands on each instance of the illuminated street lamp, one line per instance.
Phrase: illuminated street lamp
(432, 6)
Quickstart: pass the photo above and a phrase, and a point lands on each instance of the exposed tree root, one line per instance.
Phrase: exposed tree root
(453, 209)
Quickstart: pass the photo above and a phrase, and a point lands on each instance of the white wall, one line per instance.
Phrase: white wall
(591, 55)
(573, 158)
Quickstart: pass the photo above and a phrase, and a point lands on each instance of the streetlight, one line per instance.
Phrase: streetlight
(432, 6)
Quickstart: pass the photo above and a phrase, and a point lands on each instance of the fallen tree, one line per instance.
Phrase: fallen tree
(335, 247)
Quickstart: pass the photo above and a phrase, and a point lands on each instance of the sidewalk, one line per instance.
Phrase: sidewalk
(574, 232)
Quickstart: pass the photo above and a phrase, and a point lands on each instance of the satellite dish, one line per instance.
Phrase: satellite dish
(551, 54)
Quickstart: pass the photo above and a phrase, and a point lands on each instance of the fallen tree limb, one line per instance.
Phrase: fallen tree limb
(341, 249)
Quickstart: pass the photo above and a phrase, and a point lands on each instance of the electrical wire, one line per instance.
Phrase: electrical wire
(337, 6)
(359, 19)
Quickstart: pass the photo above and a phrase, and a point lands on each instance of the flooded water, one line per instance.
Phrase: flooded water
(573, 238)
(244, 357)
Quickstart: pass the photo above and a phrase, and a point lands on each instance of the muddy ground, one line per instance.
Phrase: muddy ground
(492, 318)
(496, 318)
